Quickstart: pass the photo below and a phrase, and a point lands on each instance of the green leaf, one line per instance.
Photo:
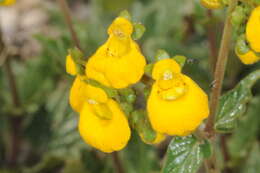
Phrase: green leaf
(206, 149)
(233, 104)
(139, 30)
(184, 155)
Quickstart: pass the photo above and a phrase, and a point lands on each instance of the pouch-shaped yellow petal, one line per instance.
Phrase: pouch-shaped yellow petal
(119, 62)
(162, 66)
(82, 92)
(7, 2)
(71, 67)
(253, 30)
(178, 116)
(248, 58)
(104, 135)
(116, 72)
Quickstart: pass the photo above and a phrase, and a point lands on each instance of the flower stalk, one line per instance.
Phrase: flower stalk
(218, 82)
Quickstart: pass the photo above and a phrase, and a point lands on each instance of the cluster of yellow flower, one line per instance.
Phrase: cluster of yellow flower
(248, 43)
(252, 39)
(175, 106)
(7, 2)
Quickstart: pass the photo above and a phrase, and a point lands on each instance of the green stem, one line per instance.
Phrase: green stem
(220, 69)
(218, 82)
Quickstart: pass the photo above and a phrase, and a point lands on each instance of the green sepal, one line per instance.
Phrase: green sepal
(77, 56)
(181, 60)
(127, 108)
(148, 69)
(238, 16)
(147, 91)
(125, 14)
(111, 92)
(80, 69)
(139, 30)
(140, 122)
(161, 54)
(241, 45)
(128, 95)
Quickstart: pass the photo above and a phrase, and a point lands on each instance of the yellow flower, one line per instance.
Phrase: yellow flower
(7, 2)
(102, 124)
(211, 4)
(119, 62)
(248, 58)
(159, 138)
(82, 91)
(106, 133)
(176, 105)
(71, 67)
(253, 30)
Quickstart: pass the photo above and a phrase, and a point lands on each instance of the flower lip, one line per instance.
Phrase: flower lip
(171, 86)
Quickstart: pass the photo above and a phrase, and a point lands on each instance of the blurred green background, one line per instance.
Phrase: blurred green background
(38, 134)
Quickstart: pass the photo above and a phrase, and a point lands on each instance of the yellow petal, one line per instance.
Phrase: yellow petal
(253, 30)
(7, 2)
(248, 58)
(82, 92)
(120, 27)
(116, 72)
(211, 4)
(105, 135)
(165, 65)
(71, 67)
(181, 116)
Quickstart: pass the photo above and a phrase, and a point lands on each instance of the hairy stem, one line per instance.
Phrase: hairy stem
(218, 82)
(66, 12)
(220, 69)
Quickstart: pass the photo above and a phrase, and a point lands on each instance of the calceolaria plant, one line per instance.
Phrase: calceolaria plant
(118, 65)
(131, 107)
(110, 84)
